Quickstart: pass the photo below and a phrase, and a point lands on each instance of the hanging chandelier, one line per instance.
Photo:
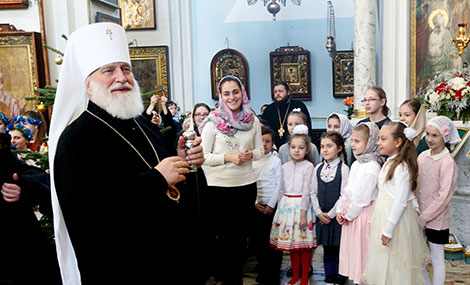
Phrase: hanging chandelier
(273, 6)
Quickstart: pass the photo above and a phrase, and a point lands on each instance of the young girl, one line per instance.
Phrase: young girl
(397, 251)
(340, 123)
(375, 104)
(329, 178)
(36, 123)
(354, 207)
(436, 183)
(294, 119)
(413, 114)
(286, 233)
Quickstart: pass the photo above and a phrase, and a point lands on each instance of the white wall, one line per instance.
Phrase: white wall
(64, 17)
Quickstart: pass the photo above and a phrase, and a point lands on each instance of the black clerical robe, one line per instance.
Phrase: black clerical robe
(271, 115)
(27, 256)
(123, 226)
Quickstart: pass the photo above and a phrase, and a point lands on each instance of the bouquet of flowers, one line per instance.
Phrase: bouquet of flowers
(448, 94)
(349, 103)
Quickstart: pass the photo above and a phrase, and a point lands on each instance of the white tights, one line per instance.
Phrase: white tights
(438, 265)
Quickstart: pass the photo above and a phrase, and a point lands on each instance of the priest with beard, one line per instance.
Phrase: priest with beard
(277, 112)
(127, 209)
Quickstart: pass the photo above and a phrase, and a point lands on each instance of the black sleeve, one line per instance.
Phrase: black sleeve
(169, 128)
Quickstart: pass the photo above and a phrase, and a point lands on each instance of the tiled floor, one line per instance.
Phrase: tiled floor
(457, 271)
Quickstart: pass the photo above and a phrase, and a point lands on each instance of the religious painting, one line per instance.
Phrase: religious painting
(343, 74)
(13, 4)
(138, 14)
(21, 69)
(433, 25)
(150, 67)
(102, 17)
(292, 65)
(228, 62)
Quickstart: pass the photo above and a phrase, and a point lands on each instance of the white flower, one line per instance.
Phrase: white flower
(433, 97)
(457, 83)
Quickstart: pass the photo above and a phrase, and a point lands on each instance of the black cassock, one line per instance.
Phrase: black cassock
(27, 256)
(271, 114)
(123, 226)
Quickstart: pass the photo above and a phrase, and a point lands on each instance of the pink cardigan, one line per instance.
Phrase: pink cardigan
(436, 184)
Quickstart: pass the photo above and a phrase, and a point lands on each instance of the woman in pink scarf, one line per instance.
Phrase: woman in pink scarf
(231, 139)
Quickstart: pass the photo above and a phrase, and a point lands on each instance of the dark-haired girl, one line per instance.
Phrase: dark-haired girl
(329, 179)
(413, 114)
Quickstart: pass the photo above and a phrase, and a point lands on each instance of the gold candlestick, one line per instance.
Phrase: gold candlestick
(461, 40)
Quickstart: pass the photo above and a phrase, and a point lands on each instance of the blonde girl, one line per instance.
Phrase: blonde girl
(397, 252)
(375, 104)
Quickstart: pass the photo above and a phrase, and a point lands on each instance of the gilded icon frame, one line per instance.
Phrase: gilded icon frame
(343, 74)
(228, 62)
(292, 65)
(150, 67)
(139, 15)
(22, 65)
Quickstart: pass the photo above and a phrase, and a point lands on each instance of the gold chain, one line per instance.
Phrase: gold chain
(128, 142)
(173, 193)
(281, 123)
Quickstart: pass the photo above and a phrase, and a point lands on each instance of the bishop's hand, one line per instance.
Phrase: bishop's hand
(194, 155)
(173, 169)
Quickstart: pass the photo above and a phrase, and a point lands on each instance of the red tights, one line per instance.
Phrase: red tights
(301, 257)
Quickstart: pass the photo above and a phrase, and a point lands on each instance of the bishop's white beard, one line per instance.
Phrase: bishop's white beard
(124, 106)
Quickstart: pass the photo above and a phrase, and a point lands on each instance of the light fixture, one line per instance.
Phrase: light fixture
(273, 7)
(330, 30)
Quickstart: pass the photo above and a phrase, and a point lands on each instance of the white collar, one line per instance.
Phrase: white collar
(267, 155)
(437, 156)
(334, 163)
(392, 157)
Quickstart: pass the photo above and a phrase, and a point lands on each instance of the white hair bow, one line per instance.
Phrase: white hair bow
(300, 130)
(410, 133)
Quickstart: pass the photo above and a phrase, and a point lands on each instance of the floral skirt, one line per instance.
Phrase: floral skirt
(286, 234)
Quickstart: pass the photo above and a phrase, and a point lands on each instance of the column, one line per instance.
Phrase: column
(181, 59)
(364, 51)
(395, 53)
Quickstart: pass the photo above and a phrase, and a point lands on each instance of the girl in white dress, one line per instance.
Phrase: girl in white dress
(397, 252)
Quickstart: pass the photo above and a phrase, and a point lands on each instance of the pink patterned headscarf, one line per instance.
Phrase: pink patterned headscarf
(225, 120)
